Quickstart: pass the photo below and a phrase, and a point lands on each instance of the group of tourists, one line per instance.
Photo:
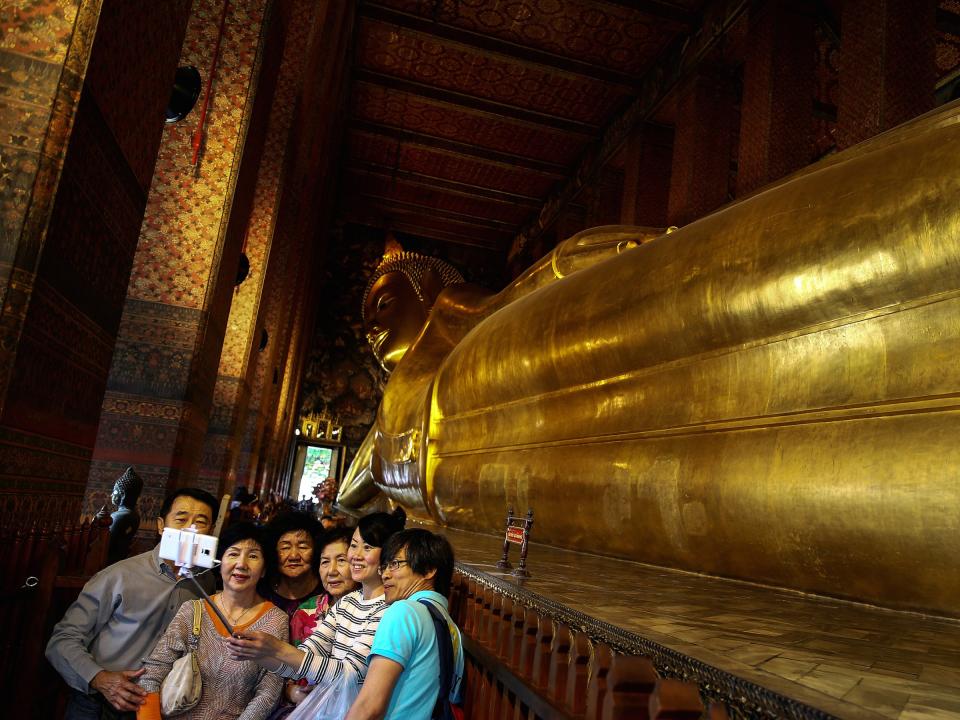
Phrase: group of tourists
(326, 623)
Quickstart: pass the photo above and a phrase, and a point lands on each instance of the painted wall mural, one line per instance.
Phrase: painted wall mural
(342, 377)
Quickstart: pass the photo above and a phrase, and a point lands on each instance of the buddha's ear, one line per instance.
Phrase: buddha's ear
(430, 286)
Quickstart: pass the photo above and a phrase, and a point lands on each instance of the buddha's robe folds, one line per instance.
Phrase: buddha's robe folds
(770, 393)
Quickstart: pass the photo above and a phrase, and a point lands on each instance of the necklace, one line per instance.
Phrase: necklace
(233, 620)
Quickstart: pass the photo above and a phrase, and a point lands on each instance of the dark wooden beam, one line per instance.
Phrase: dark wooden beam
(824, 111)
(434, 234)
(427, 211)
(660, 9)
(828, 21)
(450, 186)
(948, 21)
(490, 44)
(412, 87)
(398, 222)
(465, 150)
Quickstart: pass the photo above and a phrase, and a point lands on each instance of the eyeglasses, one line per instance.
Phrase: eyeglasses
(393, 565)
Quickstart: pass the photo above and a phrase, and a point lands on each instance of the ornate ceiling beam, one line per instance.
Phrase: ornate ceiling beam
(398, 219)
(660, 9)
(450, 186)
(464, 150)
(452, 238)
(680, 58)
(426, 211)
(489, 44)
(574, 127)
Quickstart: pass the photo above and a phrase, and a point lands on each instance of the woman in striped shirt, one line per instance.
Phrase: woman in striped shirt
(341, 643)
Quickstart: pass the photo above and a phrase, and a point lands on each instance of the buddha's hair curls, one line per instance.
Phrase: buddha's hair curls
(413, 266)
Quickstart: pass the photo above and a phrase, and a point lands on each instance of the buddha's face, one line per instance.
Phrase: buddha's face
(394, 316)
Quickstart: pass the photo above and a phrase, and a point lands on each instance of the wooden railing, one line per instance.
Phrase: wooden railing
(528, 657)
(42, 568)
(522, 663)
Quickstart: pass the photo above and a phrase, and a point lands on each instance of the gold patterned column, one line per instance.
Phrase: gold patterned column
(238, 361)
(156, 408)
(303, 218)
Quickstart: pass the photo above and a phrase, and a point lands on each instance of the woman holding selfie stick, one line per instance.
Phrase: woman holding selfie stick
(341, 644)
(231, 688)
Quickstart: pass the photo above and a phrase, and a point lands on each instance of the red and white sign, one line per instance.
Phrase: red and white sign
(515, 535)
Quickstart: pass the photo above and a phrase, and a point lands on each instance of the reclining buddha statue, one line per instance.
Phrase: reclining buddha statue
(770, 393)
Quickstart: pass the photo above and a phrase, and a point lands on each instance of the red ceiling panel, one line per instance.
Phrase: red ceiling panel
(381, 186)
(395, 52)
(401, 110)
(455, 102)
(383, 151)
(382, 214)
(615, 37)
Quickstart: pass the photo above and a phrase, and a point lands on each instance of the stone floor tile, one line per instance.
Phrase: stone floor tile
(940, 675)
(917, 711)
(786, 668)
(832, 683)
(753, 655)
(882, 700)
(722, 643)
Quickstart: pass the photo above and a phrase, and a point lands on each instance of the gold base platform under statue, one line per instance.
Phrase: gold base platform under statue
(844, 659)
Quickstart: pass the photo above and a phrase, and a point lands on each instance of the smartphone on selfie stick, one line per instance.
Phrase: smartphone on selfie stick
(188, 548)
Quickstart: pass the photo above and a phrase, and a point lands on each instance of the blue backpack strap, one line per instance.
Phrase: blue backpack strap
(442, 710)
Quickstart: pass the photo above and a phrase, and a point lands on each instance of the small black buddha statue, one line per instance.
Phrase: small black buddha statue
(126, 520)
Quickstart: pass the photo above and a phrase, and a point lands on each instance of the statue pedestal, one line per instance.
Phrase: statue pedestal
(774, 646)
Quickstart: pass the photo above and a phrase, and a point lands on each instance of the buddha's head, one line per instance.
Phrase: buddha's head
(398, 299)
(127, 489)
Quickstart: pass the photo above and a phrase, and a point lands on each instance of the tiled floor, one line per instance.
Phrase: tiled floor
(850, 660)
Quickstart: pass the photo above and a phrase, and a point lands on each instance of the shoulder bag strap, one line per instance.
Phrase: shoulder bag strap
(441, 709)
(197, 615)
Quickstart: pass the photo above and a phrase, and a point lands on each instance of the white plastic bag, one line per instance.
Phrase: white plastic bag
(328, 702)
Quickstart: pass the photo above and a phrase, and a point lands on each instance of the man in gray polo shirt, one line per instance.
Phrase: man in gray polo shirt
(99, 645)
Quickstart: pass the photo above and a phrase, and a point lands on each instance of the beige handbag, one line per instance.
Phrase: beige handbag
(181, 688)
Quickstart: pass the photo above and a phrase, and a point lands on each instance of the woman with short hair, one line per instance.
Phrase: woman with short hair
(335, 579)
(232, 688)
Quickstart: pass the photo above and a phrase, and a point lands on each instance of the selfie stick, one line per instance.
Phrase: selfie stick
(186, 572)
(184, 555)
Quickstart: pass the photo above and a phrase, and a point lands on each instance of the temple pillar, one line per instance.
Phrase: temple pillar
(280, 436)
(303, 217)
(85, 83)
(243, 465)
(776, 125)
(237, 372)
(887, 65)
(160, 388)
(646, 176)
(603, 197)
(703, 142)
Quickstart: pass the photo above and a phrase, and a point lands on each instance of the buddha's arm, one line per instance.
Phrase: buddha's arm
(583, 250)
(357, 486)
